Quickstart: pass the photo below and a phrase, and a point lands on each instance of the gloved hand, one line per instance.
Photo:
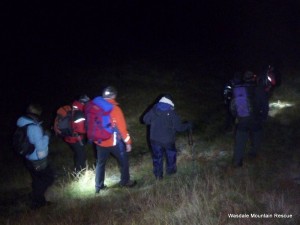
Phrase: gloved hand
(128, 148)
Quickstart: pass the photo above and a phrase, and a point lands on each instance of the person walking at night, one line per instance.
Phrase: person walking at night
(114, 140)
(164, 124)
(36, 162)
(70, 125)
(250, 107)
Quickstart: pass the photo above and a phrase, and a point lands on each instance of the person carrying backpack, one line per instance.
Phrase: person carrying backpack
(250, 108)
(70, 125)
(164, 124)
(110, 137)
(37, 162)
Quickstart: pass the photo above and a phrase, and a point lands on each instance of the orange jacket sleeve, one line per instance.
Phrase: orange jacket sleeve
(118, 121)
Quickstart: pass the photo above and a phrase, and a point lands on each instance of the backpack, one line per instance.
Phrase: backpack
(98, 120)
(241, 104)
(63, 121)
(69, 121)
(21, 143)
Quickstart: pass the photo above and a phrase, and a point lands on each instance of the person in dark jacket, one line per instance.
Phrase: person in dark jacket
(164, 124)
(250, 126)
(36, 163)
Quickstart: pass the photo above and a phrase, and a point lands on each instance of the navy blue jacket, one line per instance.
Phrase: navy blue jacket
(164, 123)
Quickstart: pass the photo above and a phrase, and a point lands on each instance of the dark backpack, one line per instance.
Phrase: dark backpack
(69, 121)
(63, 121)
(21, 143)
(98, 120)
(242, 104)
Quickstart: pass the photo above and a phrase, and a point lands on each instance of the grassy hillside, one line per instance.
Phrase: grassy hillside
(206, 189)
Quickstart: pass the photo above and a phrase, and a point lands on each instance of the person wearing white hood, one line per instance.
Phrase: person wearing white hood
(164, 124)
(36, 162)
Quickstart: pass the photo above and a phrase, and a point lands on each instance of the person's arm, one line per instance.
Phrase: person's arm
(148, 117)
(120, 123)
(39, 139)
(179, 125)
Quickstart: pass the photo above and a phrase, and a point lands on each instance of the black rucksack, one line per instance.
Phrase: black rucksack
(69, 121)
(21, 143)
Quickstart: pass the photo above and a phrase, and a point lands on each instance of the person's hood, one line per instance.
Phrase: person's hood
(163, 108)
(165, 104)
(24, 120)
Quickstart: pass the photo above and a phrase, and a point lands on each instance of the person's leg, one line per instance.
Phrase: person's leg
(79, 156)
(38, 189)
(157, 159)
(102, 155)
(45, 179)
(241, 138)
(171, 156)
(255, 142)
(119, 152)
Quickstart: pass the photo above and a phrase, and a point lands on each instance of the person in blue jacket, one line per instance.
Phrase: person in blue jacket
(164, 124)
(36, 162)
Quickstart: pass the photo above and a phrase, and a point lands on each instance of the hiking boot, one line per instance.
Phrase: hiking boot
(129, 184)
(102, 188)
(159, 178)
(170, 173)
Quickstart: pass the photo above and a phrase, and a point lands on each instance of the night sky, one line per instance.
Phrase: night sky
(43, 40)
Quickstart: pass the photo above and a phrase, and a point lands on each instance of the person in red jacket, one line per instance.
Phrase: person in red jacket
(76, 140)
(119, 144)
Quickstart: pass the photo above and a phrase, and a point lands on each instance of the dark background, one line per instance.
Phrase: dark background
(40, 37)
(43, 41)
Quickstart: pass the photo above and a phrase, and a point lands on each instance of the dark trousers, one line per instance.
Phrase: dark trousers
(158, 153)
(79, 156)
(245, 132)
(41, 180)
(119, 152)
